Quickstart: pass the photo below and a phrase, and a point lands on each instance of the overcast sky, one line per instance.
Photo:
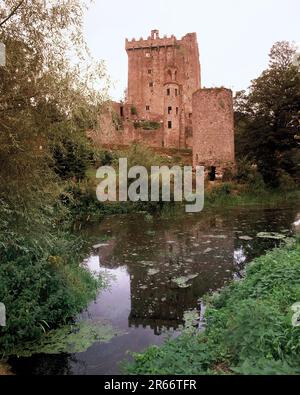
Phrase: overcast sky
(234, 36)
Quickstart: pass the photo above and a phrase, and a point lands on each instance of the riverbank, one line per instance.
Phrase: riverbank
(249, 326)
(85, 207)
(234, 194)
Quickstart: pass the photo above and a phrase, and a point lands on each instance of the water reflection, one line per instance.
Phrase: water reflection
(154, 256)
(158, 269)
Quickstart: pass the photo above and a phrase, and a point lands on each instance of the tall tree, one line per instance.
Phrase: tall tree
(268, 117)
(45, 98)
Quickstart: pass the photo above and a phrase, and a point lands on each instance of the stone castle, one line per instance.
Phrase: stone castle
(165, 106)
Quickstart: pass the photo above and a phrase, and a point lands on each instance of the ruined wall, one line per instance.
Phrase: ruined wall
(213, 129)
(118, 128)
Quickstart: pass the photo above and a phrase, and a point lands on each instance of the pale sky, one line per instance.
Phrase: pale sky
(234, 36)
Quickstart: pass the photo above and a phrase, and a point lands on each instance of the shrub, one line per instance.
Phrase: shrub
(133, 110)
(147, 125)
(286, 182)
(117, 121)
(71, 158)
(41, 284)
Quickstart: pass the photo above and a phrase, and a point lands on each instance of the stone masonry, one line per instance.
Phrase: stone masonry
(165, 106)
(213, 126)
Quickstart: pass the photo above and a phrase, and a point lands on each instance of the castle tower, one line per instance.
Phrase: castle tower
(213, 131)
(163, 74)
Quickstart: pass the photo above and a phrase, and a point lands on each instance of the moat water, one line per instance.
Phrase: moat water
(158, 268)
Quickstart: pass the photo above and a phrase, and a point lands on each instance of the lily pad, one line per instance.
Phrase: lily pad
(147, 263)
(97, 246)
(182, 282)
(75, 338)
(153, 272)
(150, 233)
(271, 235)
(247, 238)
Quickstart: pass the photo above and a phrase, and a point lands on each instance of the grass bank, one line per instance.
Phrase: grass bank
(234, 194)
(248, 326)
(81, 200)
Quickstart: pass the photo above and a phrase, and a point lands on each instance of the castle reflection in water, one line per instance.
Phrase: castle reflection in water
(156, 253)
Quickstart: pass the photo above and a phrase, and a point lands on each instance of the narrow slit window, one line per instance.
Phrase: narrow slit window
(169, 110)
(169, 124)
(168, 92)
(177, 110)
(147, 108)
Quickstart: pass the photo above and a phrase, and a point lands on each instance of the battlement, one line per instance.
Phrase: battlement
(154, 41)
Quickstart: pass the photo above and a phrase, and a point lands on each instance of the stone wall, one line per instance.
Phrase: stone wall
(164, 91)
(213, 129)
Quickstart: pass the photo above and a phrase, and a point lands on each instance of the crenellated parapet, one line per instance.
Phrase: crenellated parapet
(154, 41)
(150, 43)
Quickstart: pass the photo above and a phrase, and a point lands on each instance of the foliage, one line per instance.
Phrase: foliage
(71, 158)
(72, 338)
(147, 125)
(47, 103)
(117, 121)
(133, 110)
(240, 194)
(267, 118)
(248, 326)
(103, 158)
(248, 174)
(41, 284)
(139, 155)
(81, 200)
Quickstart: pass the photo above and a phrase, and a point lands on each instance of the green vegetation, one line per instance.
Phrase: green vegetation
(47, 182)
(234, 194)
(72, 338)
(248, 326)
(46, 104)
(133, 110)
(147, 125)
(117, 121)
(42, 285)
(267, 119)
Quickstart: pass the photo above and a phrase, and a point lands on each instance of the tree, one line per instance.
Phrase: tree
(44, 97)
(268, 117)
(45, 101)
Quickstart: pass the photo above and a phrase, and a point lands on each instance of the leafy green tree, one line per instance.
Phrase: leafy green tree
(268, 117)
(46, 101)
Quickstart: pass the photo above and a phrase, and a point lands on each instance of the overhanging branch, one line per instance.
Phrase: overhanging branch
(14, 10)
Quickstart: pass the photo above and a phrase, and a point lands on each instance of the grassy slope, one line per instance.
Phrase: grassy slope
(249, 328)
